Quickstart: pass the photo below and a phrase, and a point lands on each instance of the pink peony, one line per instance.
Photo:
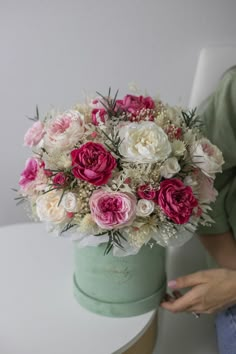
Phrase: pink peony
(33, 177)
(207, 157)
(92, 163)
(146, 192)
(111, 210)
(98, 116)
(134, 104)
(64, 131)
(176, 200)
(34, 134)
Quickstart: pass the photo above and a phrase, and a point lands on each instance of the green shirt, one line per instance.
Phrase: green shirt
(219, 118)
(218, 114)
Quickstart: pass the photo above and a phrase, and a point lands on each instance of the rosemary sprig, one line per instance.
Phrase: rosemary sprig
(36, 117)
(114, 240)
(191, 119)
(67, 227)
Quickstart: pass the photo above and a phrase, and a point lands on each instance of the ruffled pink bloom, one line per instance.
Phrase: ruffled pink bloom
(33, 177)
(93, 163)
(34, 134)
(134, 104)
(98, 116)
(145, 191)
(176, 200)
(64, 131)
(111, 210)
(207, 192)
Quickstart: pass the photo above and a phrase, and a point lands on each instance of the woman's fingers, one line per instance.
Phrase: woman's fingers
(188, 280)
(182, 303)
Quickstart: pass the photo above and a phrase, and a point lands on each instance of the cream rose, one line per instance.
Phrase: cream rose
(144, 142)
(47, 208)
(64, 131)
(207, 157)
(144, 207)
(69, 202)
(170, 167)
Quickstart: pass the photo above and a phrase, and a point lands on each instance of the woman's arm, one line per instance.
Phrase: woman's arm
(222, 247)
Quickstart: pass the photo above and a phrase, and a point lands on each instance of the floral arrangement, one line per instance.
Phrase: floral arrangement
(125, 172)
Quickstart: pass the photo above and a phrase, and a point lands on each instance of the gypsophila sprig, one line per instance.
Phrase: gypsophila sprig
(125, 172)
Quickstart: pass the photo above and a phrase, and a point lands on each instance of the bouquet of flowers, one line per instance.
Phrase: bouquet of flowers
(125, 172)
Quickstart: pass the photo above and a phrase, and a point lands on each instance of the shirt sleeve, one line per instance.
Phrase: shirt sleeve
(219, 119)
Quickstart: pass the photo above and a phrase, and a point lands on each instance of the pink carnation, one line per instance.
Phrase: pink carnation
(33, 177)
(92, 163)
(111, 210)
(134, 104)
(176, 200)
(34, 134)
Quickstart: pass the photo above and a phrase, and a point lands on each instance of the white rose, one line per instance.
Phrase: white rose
(207, 157)
(144, 142)
(170, 167)
(69, 202)
(144, 207)
(47, 208)
(64, 131)
(178, 148)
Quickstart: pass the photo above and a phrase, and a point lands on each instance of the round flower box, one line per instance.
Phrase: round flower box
(119, 286)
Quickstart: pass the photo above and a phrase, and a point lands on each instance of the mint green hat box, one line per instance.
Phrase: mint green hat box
(119, 286)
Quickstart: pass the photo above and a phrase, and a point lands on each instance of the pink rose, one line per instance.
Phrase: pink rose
(98, 116)
(92, 163)
(34, 134)
(146, 192)
(134, 104)
(176, 200)
(60, 179)
(33, 176)
(112, 210)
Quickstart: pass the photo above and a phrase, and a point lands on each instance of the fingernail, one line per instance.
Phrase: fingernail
(172, 284)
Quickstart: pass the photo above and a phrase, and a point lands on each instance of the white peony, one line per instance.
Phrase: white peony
(144, 207)
(47, 208)
(170, 167)
(144, 142)
(69, 202)
(64, 131)
(207, 157)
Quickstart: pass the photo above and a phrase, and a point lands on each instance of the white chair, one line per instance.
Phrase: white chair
(212, 63)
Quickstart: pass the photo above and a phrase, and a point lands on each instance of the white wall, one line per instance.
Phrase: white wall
(50, 51)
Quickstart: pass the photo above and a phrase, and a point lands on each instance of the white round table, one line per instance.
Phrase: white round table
(38, 312)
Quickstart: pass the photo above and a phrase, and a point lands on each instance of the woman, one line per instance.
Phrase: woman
(214, 290)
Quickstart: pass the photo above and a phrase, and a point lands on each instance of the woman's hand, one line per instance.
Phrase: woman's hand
(211, 291)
